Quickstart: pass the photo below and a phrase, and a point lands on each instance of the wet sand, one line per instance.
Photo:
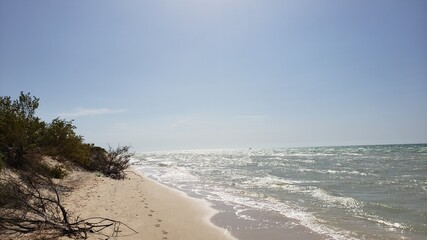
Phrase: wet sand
(277, 227)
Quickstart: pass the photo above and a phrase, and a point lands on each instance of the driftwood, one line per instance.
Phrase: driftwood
(136, 174)
(30, 202)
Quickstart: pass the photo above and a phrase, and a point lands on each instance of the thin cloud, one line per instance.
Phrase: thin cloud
(252, 117)
(81, 112)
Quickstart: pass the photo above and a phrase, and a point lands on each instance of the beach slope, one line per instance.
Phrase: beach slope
(153, 210)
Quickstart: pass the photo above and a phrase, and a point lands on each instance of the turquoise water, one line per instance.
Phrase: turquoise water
(351, 192)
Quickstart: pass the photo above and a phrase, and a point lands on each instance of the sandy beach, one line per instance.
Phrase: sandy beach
(154, 211)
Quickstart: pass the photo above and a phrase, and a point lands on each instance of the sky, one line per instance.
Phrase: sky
(206, 74)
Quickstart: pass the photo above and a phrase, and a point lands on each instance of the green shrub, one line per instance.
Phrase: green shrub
(19, 128)
(25, 139)
(111, 163)
(57, 172)
(97, 158)
(1, 162)
(59, 140)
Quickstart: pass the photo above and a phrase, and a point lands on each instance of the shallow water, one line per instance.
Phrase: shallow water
(352, 192)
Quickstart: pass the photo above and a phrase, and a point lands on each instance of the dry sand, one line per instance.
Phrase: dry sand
(153, 210)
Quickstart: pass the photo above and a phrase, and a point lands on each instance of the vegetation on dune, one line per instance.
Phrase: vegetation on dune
(25, 139)
(19, 129)
(29, 199)
(61, 142)
(111, 163)
(1, 162)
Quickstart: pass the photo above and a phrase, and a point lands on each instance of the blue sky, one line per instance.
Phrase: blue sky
(192, 74)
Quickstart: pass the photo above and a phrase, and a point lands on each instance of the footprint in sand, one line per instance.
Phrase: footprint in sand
(157, 225)
(151, 210)
(164, 232)
(159, 220)
(150, 215)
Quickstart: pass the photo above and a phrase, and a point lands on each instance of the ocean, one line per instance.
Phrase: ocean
(347, 192)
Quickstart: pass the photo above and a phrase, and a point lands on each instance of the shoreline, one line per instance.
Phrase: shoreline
(224, 217)
(154, 210)
(313, 193)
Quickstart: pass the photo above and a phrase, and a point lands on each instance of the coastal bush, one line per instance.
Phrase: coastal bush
(19, 128)
(29, 199)
(60, 141)
(117, 161)
(111, 163)
(51, 172)
(1, 162)
(57, 172)
(24, 136)
(5, 194)
(97, 158)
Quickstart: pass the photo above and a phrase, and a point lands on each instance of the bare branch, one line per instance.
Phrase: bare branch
(31, 202)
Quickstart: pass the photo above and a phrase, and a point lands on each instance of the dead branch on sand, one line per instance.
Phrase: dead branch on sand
(30, 202)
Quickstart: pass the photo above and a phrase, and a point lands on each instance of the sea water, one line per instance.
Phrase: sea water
(349, 192)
